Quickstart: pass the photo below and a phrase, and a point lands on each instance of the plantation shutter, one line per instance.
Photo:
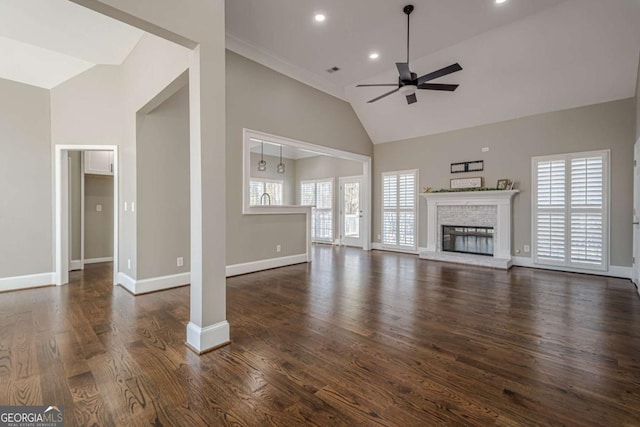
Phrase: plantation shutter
(324, 211)
(320, 194)
(587, 194)
(550, 218)
(390, 210)
(570, 210)
(399, 210)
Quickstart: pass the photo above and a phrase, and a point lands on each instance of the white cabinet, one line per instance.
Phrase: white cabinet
(98, 162)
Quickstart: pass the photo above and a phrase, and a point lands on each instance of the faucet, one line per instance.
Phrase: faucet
(268, 198)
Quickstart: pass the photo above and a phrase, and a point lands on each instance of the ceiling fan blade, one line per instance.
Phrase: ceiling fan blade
(411, 98)
(441, 72)
(438, 86)
(382, 96)
(379, 84)
(403, 70)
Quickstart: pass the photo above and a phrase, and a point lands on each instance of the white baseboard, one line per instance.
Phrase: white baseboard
(97, 260)
(614, 270)
(264, 264)
(127, 282)
(209, 337)
(76, 265)
(25, 282)
(379, 247)
(619, 271)
(153, 284)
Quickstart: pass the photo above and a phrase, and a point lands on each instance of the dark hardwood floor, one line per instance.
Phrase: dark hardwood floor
(354, 338)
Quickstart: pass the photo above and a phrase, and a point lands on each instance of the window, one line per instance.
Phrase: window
(259, 187)
(399, 192)
(320, 194)
(570, 210)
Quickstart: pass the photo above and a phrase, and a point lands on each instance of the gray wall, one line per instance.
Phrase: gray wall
(320, 167)
(289, 175)
(75, 207)
(638, 103)
(512, 144)
(162, 164)
(98, 226)
(25, 180)
(261, 99)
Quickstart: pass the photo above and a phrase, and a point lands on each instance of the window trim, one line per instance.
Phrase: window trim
(568, 210)
(400, 248)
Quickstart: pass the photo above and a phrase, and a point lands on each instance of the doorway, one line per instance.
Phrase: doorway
(91, 216)
(351, 211)
(635, 273)
(62, 207)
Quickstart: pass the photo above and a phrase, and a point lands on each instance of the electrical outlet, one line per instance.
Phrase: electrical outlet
(485, 149)
(126, 206)
(278, 248)
(133, 207)
(180, 261)
(526, 248)
(378, 237)
(98, 208)
(129, 264)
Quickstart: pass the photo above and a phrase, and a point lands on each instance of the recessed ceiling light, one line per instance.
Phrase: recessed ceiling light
(319, 17)
(374, 55)
(500, 1)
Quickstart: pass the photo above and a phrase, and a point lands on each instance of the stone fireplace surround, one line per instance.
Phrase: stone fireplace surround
(470, 208)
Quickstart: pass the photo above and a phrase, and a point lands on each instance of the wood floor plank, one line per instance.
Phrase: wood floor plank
(354, 338)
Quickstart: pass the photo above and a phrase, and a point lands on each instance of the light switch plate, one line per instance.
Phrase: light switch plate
(98, 208)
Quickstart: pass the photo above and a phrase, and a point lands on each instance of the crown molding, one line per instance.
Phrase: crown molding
(268, 59)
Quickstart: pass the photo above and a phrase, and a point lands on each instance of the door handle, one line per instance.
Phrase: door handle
(635, 223)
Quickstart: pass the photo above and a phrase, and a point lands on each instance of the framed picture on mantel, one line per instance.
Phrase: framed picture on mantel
(462, 183)
(504, 184)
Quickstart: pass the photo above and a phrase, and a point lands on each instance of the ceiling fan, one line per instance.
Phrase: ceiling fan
(408, 82)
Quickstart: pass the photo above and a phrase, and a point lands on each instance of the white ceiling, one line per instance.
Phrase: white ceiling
(520, 58)
(46, 42)
(286, 30)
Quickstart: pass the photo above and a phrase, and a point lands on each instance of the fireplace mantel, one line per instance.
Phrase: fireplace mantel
(501, 199)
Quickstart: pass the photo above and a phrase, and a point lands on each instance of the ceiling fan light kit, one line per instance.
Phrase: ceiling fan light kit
(409, 82)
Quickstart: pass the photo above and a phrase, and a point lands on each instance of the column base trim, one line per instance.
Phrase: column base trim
(202, 340)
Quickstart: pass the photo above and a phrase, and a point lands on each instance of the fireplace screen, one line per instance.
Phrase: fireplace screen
(467, 240)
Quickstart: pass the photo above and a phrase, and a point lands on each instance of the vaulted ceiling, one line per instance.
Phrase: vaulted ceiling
(46, 42)
(520, 58)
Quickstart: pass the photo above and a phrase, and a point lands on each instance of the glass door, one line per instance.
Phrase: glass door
(351, 206)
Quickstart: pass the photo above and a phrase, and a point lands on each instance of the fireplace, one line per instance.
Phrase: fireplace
(481, 227)
(467, 239)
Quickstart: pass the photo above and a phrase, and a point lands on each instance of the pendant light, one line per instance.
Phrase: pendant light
(262, 165)
(280, 168)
